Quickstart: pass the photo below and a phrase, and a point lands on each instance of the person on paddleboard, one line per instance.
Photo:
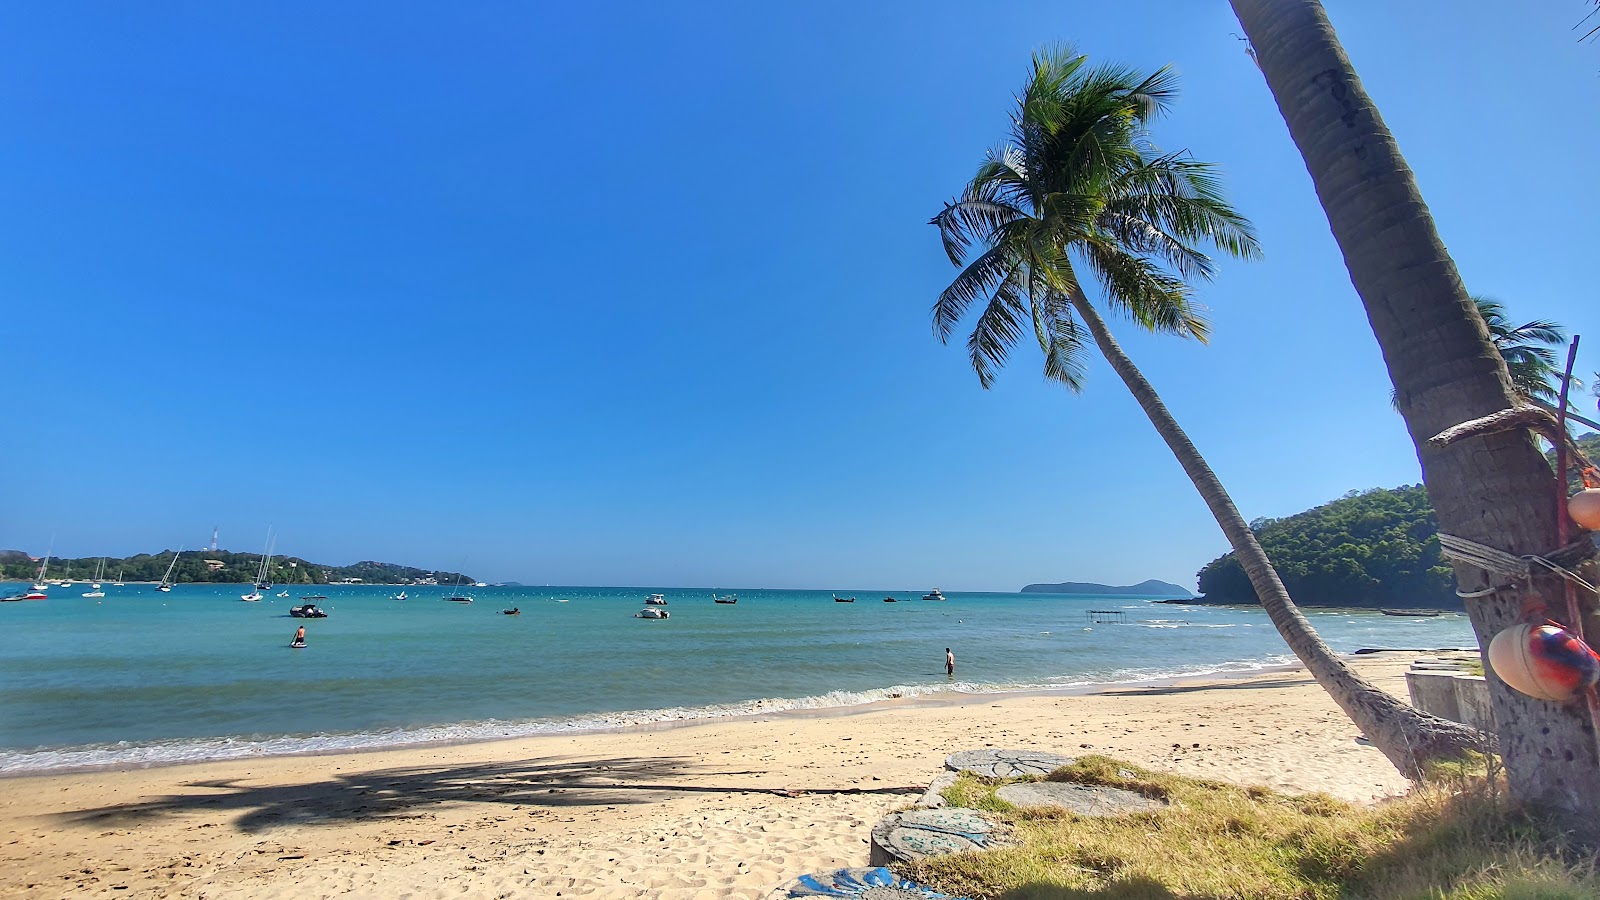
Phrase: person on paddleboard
(299, 637)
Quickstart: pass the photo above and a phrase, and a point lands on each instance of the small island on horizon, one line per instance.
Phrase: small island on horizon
(1148, 588)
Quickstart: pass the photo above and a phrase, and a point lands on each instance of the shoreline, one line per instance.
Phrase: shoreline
(937, 696)
(725, 808)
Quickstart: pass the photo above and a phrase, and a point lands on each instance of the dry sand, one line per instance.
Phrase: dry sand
(722, 809)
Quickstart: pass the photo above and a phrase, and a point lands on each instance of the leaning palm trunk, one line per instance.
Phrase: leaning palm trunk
(1408, 737)
(1496, 489)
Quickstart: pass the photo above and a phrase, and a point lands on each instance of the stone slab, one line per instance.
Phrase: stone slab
(932, 798)
(992, 763)
(1083, 799)
(920, 833)
(872, 883)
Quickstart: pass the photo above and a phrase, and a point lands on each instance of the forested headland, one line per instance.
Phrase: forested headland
(1375, 548)
(235, 568)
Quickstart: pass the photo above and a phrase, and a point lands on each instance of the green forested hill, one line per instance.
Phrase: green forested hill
(236, 568)
(1368, 548)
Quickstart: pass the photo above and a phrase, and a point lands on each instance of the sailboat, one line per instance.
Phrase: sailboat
(94, 586)
(165, 586)
(41, 584)
(118, 582)
(263, 583)
(261, 574)
(459, 597)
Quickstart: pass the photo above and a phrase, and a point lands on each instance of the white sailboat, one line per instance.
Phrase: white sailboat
(94, 586)
(41, 584)
(118, 582)
(263, 583)
(261, 574)
(166, 580)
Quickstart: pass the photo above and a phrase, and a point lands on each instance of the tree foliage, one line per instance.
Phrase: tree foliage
(237, 568)
(1367, 549)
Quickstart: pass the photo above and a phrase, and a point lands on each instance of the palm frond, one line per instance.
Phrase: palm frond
(996, 331)
(978, 279)
(1142, 291)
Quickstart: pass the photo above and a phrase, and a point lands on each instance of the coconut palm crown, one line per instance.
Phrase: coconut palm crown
(1526, 350)
(1081, 187)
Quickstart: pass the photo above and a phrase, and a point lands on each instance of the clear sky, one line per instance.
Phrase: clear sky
(638, 294)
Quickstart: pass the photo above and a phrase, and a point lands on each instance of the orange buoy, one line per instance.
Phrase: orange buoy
(1584, 508)
(1544, 661)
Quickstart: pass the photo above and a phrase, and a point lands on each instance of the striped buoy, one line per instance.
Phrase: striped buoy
(1544, 661)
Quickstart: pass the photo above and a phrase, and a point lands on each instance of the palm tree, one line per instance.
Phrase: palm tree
(1494, 489)
(1082, 188)
(1533, 367)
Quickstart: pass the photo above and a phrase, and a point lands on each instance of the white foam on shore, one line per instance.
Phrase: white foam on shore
(162, 753)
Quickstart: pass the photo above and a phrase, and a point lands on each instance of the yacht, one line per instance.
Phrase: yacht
(651, 612)
(933, 595)
(656, 600)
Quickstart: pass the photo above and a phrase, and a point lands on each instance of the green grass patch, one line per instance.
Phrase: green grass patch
(1457, 839)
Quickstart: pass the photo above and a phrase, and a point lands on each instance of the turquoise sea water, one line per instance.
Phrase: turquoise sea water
(147, 677)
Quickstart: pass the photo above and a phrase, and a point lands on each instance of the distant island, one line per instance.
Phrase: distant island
(1151, 588)
(222, 566)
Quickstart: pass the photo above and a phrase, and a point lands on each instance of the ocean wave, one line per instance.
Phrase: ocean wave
(159, 753)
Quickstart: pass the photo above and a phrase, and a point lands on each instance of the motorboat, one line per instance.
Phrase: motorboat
(731, 598)
(309, 611)
(1417, 613)
(513, 611)
(886, 600)
(480, 584)
(27, 595)
(933, 595)
(656, 600)
(652, 612)
(839, 599)
(94, 593)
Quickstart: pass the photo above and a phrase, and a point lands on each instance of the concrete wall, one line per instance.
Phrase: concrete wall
(1452, 695)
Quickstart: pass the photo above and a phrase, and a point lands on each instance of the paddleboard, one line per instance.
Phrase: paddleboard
(298, 645)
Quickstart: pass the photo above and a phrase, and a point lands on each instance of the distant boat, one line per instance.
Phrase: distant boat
(118, 582)
(651, 612)
(1416, 613)
(40, 585)
(839, 599)
(399, 596)
(513, 611)
(283, 593)
(263, 583)
(26, 595)
(315, 597)
(933, 595)
(308, 611)
(251, 597)
(94, 587)
(656, 600)
(459, 597)
(166, 580)
(886, 600)
(480, 584)
(562, 600)
(731, 598)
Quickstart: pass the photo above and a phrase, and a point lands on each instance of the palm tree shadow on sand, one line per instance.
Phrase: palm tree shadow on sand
(404, 793)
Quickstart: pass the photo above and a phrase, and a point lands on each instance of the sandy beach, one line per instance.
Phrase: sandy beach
(719, 809)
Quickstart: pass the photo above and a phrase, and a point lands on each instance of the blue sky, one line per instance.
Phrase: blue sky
(600, 294)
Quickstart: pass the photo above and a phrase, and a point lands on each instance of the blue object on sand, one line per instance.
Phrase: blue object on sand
(858, 883)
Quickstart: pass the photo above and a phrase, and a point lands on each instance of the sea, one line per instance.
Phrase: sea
(145, 678)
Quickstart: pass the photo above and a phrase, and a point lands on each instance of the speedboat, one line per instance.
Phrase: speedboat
(309, 611)
(94, 593)
(29, 595)
(656, 600)
(513, 611)
(933, 595)
(731, 598)
(480, 584)
(651, 612)
(886, 600)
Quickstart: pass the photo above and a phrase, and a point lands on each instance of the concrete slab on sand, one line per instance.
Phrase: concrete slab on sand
(992, 763)
(1083, 799)
(918, 833)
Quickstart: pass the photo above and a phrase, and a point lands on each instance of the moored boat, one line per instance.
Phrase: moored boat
(731, 598)
(1415, 613)
(308, 611)
(652, 612)
(656, 600)
(933, 595)
(839, 599)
